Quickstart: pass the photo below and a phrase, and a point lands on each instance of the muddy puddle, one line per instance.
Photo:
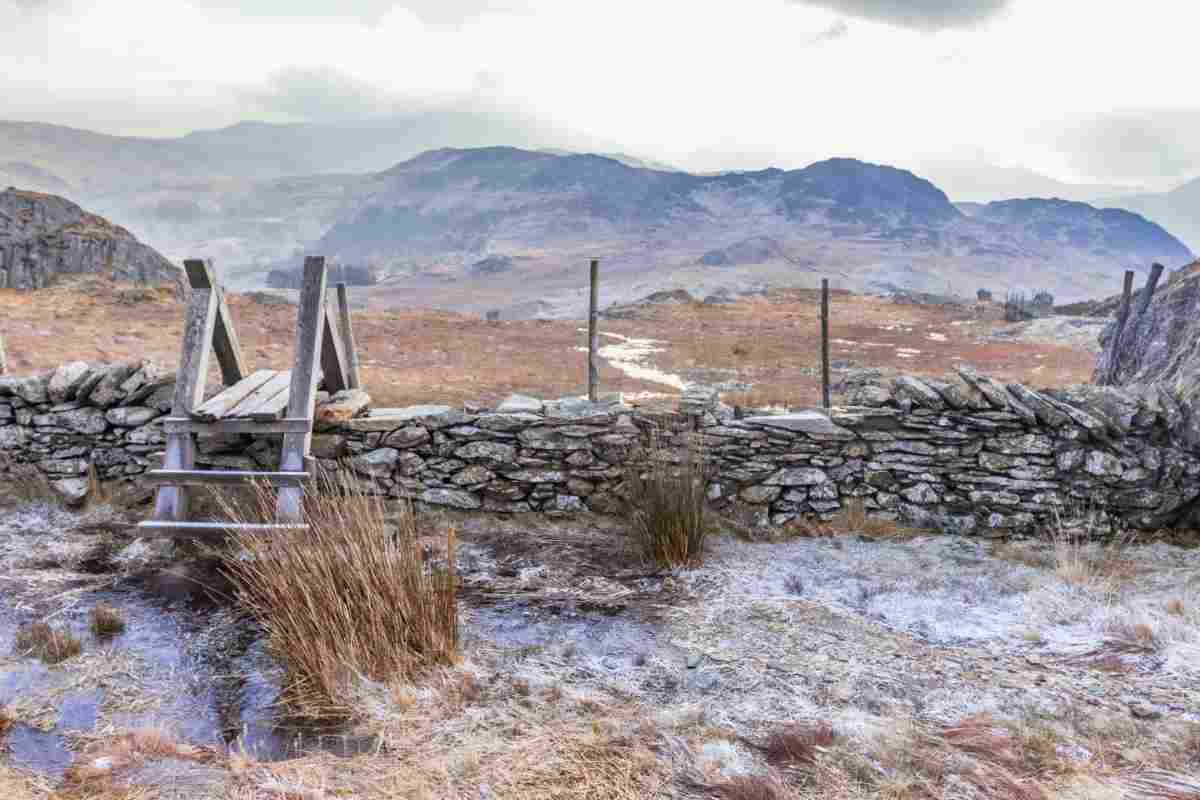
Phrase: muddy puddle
(184, 662)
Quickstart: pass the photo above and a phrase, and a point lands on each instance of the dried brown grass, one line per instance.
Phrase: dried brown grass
(349, 598)
(797, 745)
(105, 621)
(24, 483)
(853, 519)
(668, 506)
(49, 644)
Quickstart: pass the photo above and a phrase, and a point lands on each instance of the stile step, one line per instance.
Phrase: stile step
(210, 529)
(200, 477)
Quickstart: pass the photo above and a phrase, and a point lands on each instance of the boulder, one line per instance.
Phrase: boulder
(343, 406)
(66, 380)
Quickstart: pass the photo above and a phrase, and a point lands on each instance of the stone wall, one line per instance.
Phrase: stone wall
(969, 455)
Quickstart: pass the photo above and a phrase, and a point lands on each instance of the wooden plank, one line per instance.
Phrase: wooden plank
(201, 275)
(278, 384)
(174, 425)
(205, 477)
(310, 324)
(593, 364)
(212, 529)
(217, 407)
(347, 330)
(172, 501)
(333, 357)
(270, 410)
(825, 399)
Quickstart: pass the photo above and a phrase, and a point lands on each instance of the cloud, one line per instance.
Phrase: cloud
(321, 94)
(1149, 145)
(923, 15)
(834, 32)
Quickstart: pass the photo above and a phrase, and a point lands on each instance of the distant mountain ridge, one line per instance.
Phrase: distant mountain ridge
(459, 205)
(43, 236)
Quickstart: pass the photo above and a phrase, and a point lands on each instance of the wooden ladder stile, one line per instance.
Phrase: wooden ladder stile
(264, 402)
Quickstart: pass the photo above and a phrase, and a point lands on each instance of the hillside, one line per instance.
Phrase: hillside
(44, 236)
(868, 226)
(1178, 210)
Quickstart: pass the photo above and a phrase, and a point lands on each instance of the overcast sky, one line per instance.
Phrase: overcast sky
(1082, 90)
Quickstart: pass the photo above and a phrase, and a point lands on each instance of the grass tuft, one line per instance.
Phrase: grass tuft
(50, 645)
(24, 483)
(668, 505)
(744, 787)
(797, 745)
(106, 621)
(347, 599)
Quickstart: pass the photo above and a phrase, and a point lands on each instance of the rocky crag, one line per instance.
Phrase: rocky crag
(1156, 342)
(43, 236)
(969, 455)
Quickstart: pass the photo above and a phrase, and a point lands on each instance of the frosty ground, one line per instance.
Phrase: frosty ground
(915, 666)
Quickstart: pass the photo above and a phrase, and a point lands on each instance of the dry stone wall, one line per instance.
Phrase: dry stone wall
(970, 455)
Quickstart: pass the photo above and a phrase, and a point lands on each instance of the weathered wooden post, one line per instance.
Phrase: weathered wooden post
(1108, 372)
(347, 332)
(3, 356)
(825, 402)
(594, 333)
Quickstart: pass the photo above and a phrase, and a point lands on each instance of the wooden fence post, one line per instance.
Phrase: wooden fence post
(825, 401)
(594, 333)
(1110, 368)
(347, 332)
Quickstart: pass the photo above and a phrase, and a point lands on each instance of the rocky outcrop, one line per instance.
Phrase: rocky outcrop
(1157, 341)
(968, 454)
(43, 236)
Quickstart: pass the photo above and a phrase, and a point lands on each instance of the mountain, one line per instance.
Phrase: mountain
(427, 220)
(99, 164)
(980, 182)
(1178, 210)
(43, 236)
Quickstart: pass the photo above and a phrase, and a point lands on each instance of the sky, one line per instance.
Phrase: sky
(1097, 91)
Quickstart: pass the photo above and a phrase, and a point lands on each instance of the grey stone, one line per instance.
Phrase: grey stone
(760, 495)
(454, 498)
(799, 476)
(812, 423)
(520, 404)
(107, 392)
(377, 463)
(551, 439)
(568, 503)
(130, 416)
(1103, 464)
(922, 395)
(14, 437)
(32, 389)
(66, 466)
(89, 421)
(66, 380)
(495, 453)
(987, 497)
(536, 476)
(921, 494)
(474, 474)
(406, 438)
(507, 422)
(1025, 444)
(73, 491)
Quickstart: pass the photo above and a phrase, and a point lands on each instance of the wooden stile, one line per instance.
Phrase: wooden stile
(251, 403)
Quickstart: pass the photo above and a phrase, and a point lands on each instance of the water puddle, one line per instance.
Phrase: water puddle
(630, 355)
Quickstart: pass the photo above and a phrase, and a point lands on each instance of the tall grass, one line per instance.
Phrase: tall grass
(668, 504)
(348, 599)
